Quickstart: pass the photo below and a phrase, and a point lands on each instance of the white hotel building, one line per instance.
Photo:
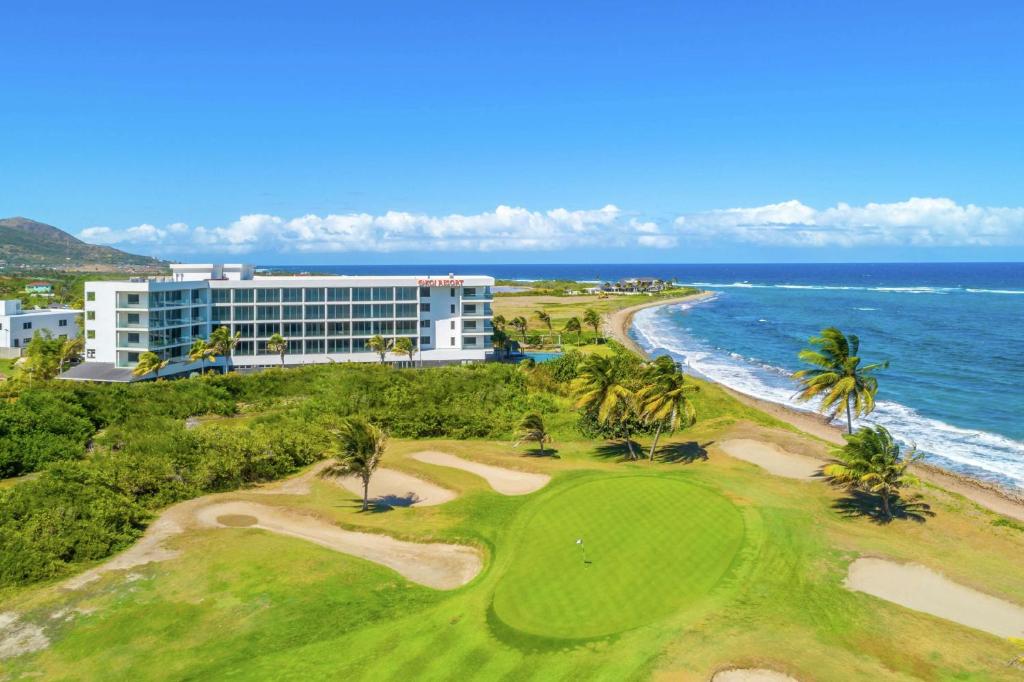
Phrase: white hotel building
(323, 318)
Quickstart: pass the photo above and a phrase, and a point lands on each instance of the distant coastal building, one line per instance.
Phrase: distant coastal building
(323, 318)
(39, 288)
(17, 325)
(635, 285)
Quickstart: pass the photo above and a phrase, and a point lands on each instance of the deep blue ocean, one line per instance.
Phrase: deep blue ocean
(952, 332)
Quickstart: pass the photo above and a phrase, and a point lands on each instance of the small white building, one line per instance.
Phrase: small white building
(17, 325)
(447, 318)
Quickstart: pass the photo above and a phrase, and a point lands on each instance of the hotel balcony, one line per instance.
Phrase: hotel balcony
(477, 310)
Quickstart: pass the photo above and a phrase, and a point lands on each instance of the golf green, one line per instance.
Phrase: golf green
(651, 546)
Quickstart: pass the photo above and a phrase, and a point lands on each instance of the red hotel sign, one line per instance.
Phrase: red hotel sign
(441, 282)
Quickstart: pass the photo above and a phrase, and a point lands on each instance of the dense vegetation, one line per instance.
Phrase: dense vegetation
(25, 242)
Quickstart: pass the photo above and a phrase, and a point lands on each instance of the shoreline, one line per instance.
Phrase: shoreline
(990, 496)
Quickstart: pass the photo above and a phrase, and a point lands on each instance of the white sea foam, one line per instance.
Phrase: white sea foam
(980, 453)
(889, 290)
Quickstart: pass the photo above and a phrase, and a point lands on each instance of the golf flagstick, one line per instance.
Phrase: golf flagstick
(583, 549)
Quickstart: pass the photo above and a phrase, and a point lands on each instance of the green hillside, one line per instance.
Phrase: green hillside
(27, 243)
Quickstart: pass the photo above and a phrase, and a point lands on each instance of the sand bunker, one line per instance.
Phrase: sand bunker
(922, 589)
(392, 488)
(441, 566)
(773, 458)
(751, 675)
(504, 481)
(18, 637)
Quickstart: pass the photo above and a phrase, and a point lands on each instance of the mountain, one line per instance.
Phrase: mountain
(27, 243)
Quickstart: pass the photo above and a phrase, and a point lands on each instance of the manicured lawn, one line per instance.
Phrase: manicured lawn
(653, 546)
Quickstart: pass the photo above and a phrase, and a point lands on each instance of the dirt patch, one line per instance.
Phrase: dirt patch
(772, 458)
(504, 481)
(437, 565)
(237, 520)
(390, 488)
(751, 675)
(18, 637)
(922, 589)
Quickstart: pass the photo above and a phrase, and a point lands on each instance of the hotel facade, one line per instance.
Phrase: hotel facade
(324, 319)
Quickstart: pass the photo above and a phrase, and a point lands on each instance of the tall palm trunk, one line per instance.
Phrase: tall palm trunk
(885, 505)
(849, 416)
(366, 492)
(629, 444)
(654, 445)
(282, 358)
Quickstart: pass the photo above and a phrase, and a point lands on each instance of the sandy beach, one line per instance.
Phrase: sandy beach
(991, 497)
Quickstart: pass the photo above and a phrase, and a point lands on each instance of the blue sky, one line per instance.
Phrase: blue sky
(479, 132)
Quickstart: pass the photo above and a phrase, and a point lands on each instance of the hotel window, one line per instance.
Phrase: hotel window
(358, 345)
(425, 324)
(468, 340)
(220, 295)
(244, 330)
(453, 341)
(62, 323)
(361, 310)
(314, 312)
(90, 295)
(26, 325)
(406, 310)
(453, 291)
(337, 329)
(133, 357)
(243, 296)
(90, 353)
(244, 348)
(291, 295)
(451, 324)
(383, 328)
(338, 294)
(453, 308)
(291, 329)
(90, 315)
(314, 295)
(268, 295)
(268, 312)
(133, 318)
(314, 329)
(261, 348)
(469, 291)
(133, 338)
(294, 346)
(133, 299)
(383, 294)
(337, 345)
(361, 294)
(244, 313)
(469, 325)
(314, 345)
(291, 312)
(265, 329)
(469, 309)
(337, 312)
(405, 293)
(405, 327)
(362, 329)
(424, 340)
(424, 292)
(383, 310)
(424, 307)
(198, 296)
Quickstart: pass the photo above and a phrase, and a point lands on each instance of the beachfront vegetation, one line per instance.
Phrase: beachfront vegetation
(836, 378)
(359, 447)
(532, 429)
(149, 363)
(664, 399)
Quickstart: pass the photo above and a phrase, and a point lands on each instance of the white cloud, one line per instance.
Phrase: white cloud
(657, 241)
(915, 222)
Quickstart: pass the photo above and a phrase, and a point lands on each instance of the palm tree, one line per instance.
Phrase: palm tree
(149, 362)
(360, 449)
(379, 345)
(593, 319)
(520, 325)
(836, 376)
(532, 428)
(404, 346)
(573, 325)
(200, 350)
(600, 391)
(871, 461)
(69, 350)
(664, 400)
(222, 342)
(278, 344)
(544, 318)
(498, 322)
(499, 339)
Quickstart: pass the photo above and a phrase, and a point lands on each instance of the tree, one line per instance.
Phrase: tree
(223, 343)
(573, 325)
(532, 428)
(520, 325)
(200, 350)
(499, 339)
(498, 322)
(600, 392)
(871, 460)
(664, 400)
(404, 346)
(544, 318)
(149, 362)
(381, 346)
(360, 447)
(836, 376)
(278, 344)
(593, 319)
(41, 359)
(70, 350)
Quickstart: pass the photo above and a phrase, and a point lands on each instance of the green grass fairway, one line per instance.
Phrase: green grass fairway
(655, 545)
